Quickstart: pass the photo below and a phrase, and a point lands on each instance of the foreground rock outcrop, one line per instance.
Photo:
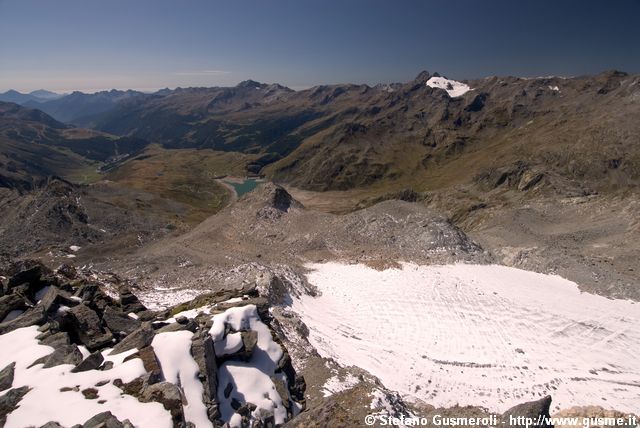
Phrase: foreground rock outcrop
(185, 368)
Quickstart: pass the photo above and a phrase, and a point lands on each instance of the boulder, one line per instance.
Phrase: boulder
(34, 316)
(103, 420)
(92, 296)
(150, 362)
(119, 322)
(190, 325)
(55, 297)
(245, 409)
(169, 396)
(6, 376)
(532, 410)
(85, 326)
(9, 402)
(108, 365)
(204, 355)
(37, 276)
(92, 362)
(56, 340)
(249, 341)
(11, 302)
(140, 338)
(150, 316)
(129, 302)
(69, 354)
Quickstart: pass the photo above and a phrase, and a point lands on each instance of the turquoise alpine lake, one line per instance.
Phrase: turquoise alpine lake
(245, 186)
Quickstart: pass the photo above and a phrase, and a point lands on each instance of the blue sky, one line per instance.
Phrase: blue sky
(90, 45)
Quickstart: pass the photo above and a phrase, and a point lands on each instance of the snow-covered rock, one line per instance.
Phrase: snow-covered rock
(253, 381)
(453, 88)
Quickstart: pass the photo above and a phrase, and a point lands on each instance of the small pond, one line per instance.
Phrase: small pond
(245, 186)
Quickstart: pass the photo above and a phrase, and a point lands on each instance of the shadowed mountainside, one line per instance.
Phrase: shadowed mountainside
(567, 133)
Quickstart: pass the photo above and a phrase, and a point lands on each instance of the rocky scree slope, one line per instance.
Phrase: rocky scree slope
(96, 338)
(269, 227)
(103, 219)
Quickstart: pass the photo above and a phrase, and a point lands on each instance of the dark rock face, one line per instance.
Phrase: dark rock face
(204, 355)
(92, 296)
(10, 400)
(129, 302)
(35, 316)
(150, 362)
(69, 354)
(52, 425)
(92, 362)
(86, 326)
(140, 338)
(282, 199)
(56, 340)
(249, 341)
(34, 276)
(535, 410)
(105, 420)
(171, 398)
(10, 303)
(6, 376)
(119, 322)
(54, 297)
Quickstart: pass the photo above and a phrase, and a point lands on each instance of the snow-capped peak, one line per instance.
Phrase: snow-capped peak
(453, 88)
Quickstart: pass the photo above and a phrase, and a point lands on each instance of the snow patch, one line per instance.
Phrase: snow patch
(453, 88)
(57, 388)
(479, 335)
(174, 354)
(250, 381)
(74, 248)
(335, 384)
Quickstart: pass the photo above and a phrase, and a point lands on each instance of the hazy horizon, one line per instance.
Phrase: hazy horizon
(147, 45)
(296, 88)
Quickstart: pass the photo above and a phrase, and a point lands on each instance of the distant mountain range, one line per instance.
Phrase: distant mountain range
(39, 96)
(74, 107)
(554, 133)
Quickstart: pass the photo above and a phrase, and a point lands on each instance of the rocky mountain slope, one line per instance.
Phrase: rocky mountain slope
(501, 130)
(34, 146)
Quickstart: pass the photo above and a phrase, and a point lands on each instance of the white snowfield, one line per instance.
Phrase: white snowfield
(453, 88)
(477, 335)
